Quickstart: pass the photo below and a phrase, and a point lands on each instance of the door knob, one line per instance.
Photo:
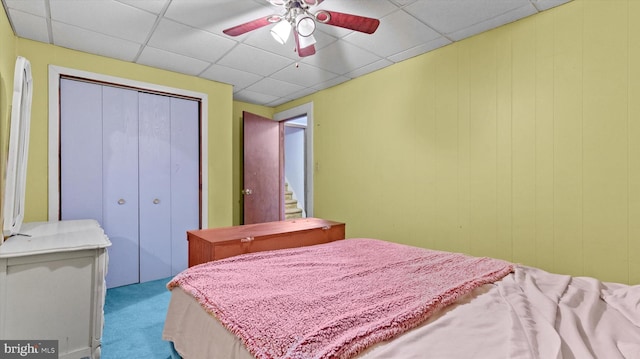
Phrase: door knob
(247, 191)
(156, 201)
(121, 201)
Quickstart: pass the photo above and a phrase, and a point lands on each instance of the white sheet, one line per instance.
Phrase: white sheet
(528, 314)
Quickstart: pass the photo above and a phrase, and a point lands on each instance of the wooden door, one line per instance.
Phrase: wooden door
(263, 187)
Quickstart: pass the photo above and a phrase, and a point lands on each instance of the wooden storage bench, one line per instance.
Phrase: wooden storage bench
(217, 243)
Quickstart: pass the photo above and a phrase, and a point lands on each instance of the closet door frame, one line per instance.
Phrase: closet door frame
(55, 74)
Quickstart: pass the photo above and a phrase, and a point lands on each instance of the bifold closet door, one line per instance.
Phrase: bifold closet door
(155, 186)
(81, 149)
(99, 168)
(120, 183)
(131, 160)
(168, 183)
(185, 178)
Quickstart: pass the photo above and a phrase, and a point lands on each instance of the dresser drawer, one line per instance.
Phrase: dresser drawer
(213, 244)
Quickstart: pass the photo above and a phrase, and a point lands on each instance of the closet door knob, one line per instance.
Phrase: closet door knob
(156, 201)
(121, 201)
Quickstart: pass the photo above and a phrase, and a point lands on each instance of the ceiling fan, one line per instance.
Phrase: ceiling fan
(298, 16)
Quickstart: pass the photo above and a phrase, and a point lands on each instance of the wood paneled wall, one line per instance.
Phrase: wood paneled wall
(521, 143)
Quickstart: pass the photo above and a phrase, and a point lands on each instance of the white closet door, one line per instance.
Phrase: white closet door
(185, 178)
(81, 150)
(131, 160)
(154, 186)
(120, 185)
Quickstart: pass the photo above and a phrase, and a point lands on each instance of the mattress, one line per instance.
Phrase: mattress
(529, 313)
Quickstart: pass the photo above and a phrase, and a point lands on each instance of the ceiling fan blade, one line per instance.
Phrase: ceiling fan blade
(249, 26)
(305, 51)
(348, 21)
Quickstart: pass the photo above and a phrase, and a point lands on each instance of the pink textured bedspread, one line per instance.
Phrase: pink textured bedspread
(332, 300)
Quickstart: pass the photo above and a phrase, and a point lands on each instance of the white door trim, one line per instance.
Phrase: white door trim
(302, 110)
(55, 72)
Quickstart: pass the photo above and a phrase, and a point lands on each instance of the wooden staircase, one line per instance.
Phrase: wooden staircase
(291, 209)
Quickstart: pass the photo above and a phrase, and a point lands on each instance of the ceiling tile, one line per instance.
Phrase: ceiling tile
(34, 7)
(188, 41)
(239, 79)
(419, 50)
(452, 15)
(152, 6)
(304, 92)
(333, 82)
(251, 59)
(304, 75)
(341, 57)
(151, 56)
(275, 87)
(495, 22)
(397, 32)
(299, 94)
(403, 2)
(116, 19)
(254, 97)
(217, 15)
(92, 42)
(369, 8)
(30, 26)
(278, 102)
(369, 68)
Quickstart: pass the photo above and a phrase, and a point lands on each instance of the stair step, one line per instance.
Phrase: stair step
(291, 209)
(290, 213)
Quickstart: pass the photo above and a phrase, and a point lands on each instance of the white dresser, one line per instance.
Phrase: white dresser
(52, 285)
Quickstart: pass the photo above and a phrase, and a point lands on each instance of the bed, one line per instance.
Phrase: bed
(366, 298)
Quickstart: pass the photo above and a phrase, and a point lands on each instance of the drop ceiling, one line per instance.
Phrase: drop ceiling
(186, 36)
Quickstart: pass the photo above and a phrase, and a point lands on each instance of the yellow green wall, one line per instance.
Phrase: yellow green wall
(238, 108)
(7, 61)
(521, 143)
(220, 109)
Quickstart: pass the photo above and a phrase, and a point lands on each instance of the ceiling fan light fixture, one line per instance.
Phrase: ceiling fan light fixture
(306, 41)
(297, 15)
(305, 25)
(281, 31)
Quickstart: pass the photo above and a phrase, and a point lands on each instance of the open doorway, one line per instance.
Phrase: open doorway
(295, 174)
(299, 122)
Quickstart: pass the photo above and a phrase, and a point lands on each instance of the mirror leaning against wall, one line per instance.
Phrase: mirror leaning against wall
(14, 195)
